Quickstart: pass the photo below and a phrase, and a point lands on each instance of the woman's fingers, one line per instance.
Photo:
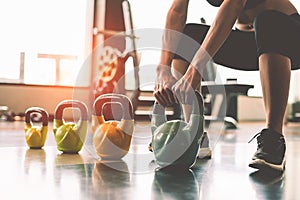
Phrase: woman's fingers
(158, 97)
(183, 91)
(171, 99)
(158, 94)
(168, 94)
(163, 95)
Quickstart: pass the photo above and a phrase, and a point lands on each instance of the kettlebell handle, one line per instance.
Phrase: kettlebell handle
(41, 111)
(198, 106)
(70, 104)
(111, 98)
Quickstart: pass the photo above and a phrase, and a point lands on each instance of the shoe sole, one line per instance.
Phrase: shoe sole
(263, 165)
(204, 153)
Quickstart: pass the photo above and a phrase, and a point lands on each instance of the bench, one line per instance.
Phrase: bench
(223, 95)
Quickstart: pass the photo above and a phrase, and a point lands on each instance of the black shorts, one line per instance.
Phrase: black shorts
(274, 32)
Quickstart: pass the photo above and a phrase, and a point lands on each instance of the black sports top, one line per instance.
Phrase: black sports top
(249, 4)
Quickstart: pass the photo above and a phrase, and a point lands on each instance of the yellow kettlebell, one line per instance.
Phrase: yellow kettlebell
(36, 135)
(112, 138)
(70, 136)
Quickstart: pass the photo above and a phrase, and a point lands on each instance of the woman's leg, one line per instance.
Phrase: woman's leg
(277, 38)
(275, 71)
(277, 47)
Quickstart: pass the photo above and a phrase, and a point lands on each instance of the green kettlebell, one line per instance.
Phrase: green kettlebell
(176, 143)
(70, 136)
(112, 138)
(36, 135)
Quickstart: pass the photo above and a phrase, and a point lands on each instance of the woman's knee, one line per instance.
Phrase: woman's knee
(271, 32)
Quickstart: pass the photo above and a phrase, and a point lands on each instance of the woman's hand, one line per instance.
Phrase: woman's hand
(184, 89)
(163, 87)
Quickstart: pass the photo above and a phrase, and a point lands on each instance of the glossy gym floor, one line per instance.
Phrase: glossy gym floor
(48, 174)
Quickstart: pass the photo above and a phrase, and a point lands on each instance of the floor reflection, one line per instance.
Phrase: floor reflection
(175, 184)
(49, 174)
(110, 180)
(268, 184)
(68, 159)
(71, 181)
(34, 158)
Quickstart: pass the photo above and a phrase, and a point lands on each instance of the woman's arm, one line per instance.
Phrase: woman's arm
(218, 32)
(225, 19)
(175, 22)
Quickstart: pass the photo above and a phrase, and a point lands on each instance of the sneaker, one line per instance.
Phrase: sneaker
(204, 150)
(270, 153)
(150, 147)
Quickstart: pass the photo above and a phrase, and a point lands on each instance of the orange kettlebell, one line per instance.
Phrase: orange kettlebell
(70, 136)
(36, 135)
(112, 138)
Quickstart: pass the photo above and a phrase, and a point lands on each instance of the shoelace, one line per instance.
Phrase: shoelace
(256, 135)
(260, 139)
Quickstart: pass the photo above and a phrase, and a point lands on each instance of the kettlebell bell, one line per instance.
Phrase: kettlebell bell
(176, 142)
(36, 135)
(112, 138)
(70, 136)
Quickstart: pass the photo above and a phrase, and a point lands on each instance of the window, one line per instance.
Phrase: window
(44, 42)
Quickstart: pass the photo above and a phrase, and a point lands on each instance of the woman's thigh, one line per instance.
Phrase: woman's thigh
(279, 33)
(238, 51)
(274, 33)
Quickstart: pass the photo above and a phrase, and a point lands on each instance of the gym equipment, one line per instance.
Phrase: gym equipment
(216, 3)
(295, 112)
(36, 135)
(112, 138)
(176, 142)
(249, 4)
(96, 31)
(70, 136)
(223, 96)
(114, 43)
(3, 112)
(110, 64)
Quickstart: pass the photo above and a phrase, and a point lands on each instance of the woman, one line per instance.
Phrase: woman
(267, 38)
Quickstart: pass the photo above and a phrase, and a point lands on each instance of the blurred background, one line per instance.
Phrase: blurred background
(46, 49)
